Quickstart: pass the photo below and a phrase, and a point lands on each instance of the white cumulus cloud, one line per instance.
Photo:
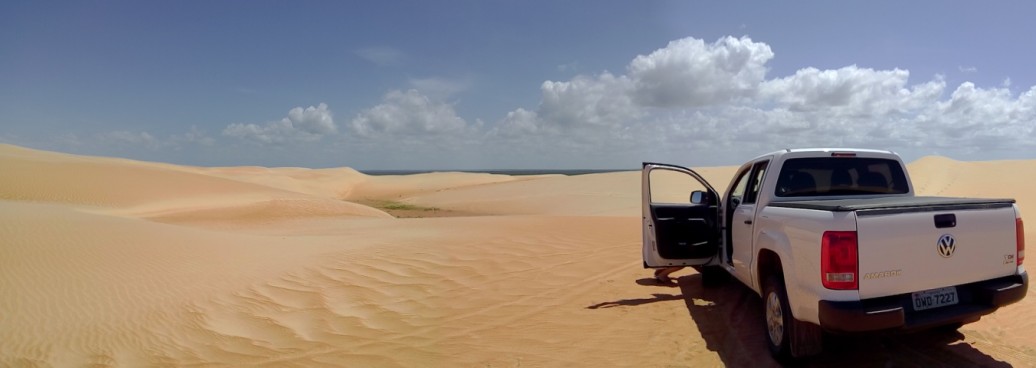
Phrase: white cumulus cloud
(601, 101)
(519, 123)
(688, 72)
(975, 119)
(707, 98)
(316, 120)
(301, 124)
(851, 90)
(407, 113)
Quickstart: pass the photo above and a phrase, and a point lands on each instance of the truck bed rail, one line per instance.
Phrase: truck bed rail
(892, 205)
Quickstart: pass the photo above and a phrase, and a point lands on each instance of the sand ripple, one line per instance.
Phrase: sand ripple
(107, 262)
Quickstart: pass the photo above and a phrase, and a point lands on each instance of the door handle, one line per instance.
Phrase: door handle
(748, 222)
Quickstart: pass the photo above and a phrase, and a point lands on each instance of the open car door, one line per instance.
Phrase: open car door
(681, 227)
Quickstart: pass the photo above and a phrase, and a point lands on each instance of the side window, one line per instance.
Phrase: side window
(758, 173)
(673, 187)
(739, 187)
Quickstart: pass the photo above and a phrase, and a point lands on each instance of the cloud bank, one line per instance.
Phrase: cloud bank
(692, 101)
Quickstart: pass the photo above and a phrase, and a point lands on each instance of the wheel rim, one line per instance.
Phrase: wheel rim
(774, 319)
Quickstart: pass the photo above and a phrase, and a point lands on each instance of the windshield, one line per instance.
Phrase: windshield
(840, 176)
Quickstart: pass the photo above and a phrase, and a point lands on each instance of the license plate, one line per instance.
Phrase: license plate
(935, 298)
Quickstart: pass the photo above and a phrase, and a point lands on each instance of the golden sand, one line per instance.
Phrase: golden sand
(113, 262)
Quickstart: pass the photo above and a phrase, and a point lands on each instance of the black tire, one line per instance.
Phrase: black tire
(787, 338)
(713, 276)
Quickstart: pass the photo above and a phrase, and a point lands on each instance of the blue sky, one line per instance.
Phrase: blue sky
(514, 84)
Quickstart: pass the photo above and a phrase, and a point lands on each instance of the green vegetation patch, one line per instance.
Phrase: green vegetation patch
(400, 206)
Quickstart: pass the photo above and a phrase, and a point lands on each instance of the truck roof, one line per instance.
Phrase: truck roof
(821, 150)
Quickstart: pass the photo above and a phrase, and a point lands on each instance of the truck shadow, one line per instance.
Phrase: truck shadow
(730, 319)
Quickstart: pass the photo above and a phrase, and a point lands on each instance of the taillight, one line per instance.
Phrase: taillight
(1019, 232)
(838, 260)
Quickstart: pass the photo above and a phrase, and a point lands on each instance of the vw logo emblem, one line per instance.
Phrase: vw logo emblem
(946, 245)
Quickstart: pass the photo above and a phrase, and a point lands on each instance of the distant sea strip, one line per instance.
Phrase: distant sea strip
(502, 172)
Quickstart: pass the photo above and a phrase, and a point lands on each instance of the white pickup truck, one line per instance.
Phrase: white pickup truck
(835, 241)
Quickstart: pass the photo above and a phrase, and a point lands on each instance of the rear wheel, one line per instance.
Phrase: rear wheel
(774, 307)
(787, 337)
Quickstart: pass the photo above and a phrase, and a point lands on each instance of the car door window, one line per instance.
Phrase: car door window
(758, 172)
(737, 194)
(672, 187)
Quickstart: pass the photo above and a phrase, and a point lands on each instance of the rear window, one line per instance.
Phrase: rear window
(839, 176)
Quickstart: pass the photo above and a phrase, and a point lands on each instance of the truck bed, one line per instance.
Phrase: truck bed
(891, 205)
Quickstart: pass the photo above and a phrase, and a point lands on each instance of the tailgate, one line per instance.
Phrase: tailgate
(904, 251)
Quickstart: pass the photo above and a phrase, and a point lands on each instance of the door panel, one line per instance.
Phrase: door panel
(742, 229)
(733, 200)
(683, 231)
(677, 232)
(743, 222)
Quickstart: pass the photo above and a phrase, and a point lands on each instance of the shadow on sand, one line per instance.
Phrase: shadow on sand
(656, 297)
(730, 320)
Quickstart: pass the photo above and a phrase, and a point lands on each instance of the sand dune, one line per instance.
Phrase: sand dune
(112, 262)
(607, 194)
(940, 176)
(152, 190)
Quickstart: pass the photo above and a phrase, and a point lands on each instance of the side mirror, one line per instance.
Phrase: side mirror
(699, 197)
